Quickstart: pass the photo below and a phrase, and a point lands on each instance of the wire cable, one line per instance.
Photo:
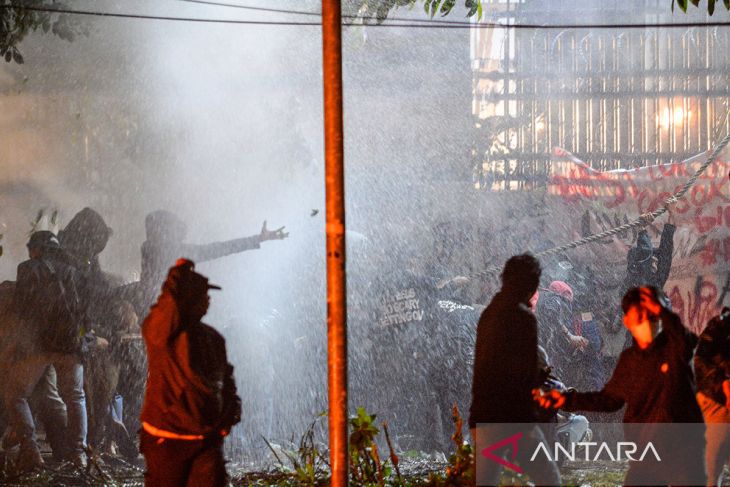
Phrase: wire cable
(155, 17)
(251, 7)
(429, 25)
(364, 21)
(459, 23)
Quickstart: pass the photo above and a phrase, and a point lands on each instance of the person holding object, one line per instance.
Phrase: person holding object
(505, 371)
(712, 367)
(654, 380)
(190, 403)
(646, 265)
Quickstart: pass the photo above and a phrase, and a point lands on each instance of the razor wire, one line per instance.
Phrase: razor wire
(641, 221)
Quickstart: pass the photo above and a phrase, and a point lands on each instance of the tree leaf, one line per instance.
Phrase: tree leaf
(446, 7)
(727, 4)
(682, 5)
(710, 7)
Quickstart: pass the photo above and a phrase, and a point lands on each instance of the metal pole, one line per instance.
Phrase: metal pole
(335, 203)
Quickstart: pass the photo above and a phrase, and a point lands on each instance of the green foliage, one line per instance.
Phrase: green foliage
(460, 470)
(379, 9)
(16, 22)
(308, 463)
(366, 468)
(683, 4)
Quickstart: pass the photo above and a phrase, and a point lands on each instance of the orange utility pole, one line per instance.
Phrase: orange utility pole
(335, 203)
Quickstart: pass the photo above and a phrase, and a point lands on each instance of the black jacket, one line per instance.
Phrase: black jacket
(505, 363)
(640, 270)
(656, 384)
(47, 300)
(712, 359)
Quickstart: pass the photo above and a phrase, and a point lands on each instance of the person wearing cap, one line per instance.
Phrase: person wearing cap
(190, 402)
(47, 303)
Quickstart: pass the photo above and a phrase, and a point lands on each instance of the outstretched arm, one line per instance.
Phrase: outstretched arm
(215, 250)
(608, 399)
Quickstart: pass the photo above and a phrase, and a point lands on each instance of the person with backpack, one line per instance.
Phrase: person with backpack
(48, 305)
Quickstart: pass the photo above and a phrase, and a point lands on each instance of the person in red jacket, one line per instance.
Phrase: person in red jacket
(190, 402)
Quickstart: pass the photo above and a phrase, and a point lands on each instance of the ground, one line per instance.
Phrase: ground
(112, 471)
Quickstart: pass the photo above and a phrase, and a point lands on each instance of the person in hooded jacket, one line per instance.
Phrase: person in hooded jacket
(190, 403)
(84, 239)
(654, 381)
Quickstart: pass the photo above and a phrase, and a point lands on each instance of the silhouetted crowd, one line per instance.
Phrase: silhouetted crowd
(95, 360)
(71, 345)
(665, 375)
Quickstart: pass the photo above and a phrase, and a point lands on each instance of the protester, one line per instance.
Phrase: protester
(104, 368)
(83, 240)
(506, 370)
(404, 316)
(47, 301)
(190, 402)
(712, 367)
(165, 243)
(654, 380)
(556, 334)
(645, 266)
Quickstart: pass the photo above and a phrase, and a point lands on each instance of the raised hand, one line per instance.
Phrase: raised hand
(278, 234)
(649, 302)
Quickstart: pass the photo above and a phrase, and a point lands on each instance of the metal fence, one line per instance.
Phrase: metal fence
(616, 98)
